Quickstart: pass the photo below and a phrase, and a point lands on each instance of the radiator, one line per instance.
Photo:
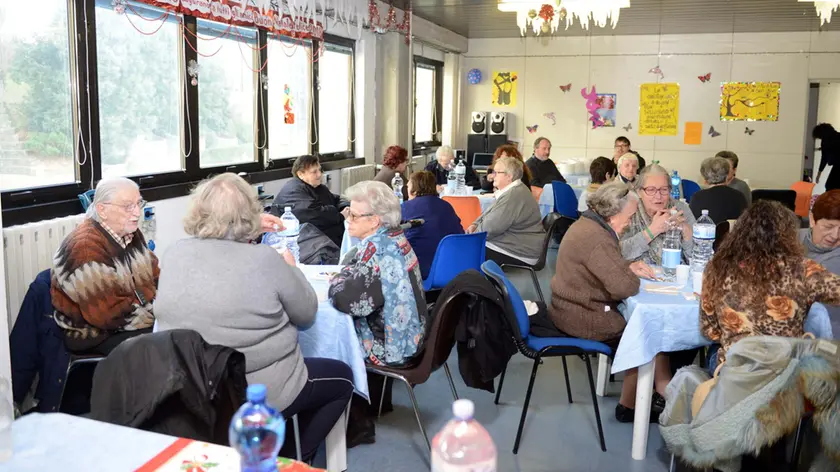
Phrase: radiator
(29, 249)
(356, 174)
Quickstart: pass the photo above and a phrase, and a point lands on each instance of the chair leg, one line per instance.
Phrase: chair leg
(566, 374)
(595, 404)
(501, 382)
(537, 284)
(417, 413)
(797, 445)
(449, 378)
(382, 396)
(296, 427)
(673, 466)
(525, 405)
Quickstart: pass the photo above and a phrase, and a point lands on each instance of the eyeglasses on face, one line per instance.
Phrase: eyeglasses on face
(352, 216)
(129, 207)
(651, 191)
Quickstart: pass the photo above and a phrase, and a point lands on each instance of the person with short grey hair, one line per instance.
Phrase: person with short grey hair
(381, 288)
(513, 223)
(593, 278)
(445, 162)
(722, 201)
(543, 170)
(104, 276)
(250, 298)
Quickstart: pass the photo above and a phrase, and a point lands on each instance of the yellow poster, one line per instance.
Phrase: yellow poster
(659, 107)
(504, 88)
(749, 101)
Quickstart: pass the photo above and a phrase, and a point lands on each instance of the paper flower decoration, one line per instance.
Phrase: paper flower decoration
(474, 76)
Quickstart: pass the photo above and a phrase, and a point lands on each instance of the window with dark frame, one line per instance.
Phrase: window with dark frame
(428, 99)
(105, 109)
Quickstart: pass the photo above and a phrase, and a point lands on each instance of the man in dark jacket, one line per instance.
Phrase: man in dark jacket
(543, 169)
(310, 200)
(830, 145)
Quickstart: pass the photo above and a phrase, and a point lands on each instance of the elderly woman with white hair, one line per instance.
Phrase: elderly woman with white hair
(592, 278)
(722, 201)
(381, 287)
(513, 224)
(104, 277)
(628, 167)
(644, 238)
(445, 162)
(250, 298)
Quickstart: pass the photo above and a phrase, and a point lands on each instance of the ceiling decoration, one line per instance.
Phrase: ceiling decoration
(824, 8)
(546, 17)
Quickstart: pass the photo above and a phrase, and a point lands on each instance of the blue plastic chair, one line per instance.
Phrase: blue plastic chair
(455, 254)
(565, 200)
(86, 199)
(689, 188)
(534, 347)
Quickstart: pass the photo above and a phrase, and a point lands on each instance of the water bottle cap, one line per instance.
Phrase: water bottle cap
(705, 212)
(255, 393)
(463, 409)
(287, 209)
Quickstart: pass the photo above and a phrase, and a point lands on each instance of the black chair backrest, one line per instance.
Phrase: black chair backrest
(555, 226)
(785, 197)
(721, 230)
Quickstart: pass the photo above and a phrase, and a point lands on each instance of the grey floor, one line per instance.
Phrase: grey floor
(558, 436)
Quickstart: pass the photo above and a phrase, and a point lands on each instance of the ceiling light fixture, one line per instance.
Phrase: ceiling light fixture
(824, 8)
(545, 17)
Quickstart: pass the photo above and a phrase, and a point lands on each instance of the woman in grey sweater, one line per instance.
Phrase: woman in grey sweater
(252, 299)
(822, 242)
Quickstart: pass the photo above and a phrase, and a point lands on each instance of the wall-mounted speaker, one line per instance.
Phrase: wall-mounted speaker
(498, 122)
(478, 122)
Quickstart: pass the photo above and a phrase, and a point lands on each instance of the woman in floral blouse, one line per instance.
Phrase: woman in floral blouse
(381, 288)
(759, 283)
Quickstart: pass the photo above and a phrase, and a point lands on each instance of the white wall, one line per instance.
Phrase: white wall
(771, 157)
(828, 110)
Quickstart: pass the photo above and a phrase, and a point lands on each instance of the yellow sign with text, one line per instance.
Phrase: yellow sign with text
(749, 101)
(659, 109)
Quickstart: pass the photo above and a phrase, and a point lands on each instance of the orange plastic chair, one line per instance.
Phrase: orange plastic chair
(467, 208)
(803, 197)
(536, 192)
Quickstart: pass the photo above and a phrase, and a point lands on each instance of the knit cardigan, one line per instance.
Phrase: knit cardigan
(99, 287)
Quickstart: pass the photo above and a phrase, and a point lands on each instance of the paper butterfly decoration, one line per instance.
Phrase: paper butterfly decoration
(705, 78)
(656, 70)
(566, 88)
(748, 131)
(628, 127)
(712, 132)
(550, 115)
(532, 129)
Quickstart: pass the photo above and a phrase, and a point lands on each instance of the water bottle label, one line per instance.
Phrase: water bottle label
(704, 232)
(671, 258)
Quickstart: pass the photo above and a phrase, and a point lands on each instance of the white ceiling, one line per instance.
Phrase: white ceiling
(482, 19)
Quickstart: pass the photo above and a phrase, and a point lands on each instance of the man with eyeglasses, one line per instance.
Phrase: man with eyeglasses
(622, 146)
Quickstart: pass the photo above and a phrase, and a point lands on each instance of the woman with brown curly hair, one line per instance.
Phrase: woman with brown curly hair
(509, 150)
(394, 162)
(760, 283)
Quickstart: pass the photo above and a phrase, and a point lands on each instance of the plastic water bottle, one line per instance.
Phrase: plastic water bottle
(703, 234)
(451, 183)
(671, 250)
(460, 178)
(257, 432)
(463, 445)
(291, 233)
(676, 189)
(397, 185)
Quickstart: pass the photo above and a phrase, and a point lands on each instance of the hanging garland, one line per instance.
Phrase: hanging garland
(375, 21)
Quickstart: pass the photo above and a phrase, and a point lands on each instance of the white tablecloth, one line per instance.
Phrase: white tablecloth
(332, 335)
(666, 323)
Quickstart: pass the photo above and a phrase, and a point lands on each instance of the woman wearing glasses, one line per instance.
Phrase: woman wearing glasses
(104, 278)
(382, 290)
(644, 238)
